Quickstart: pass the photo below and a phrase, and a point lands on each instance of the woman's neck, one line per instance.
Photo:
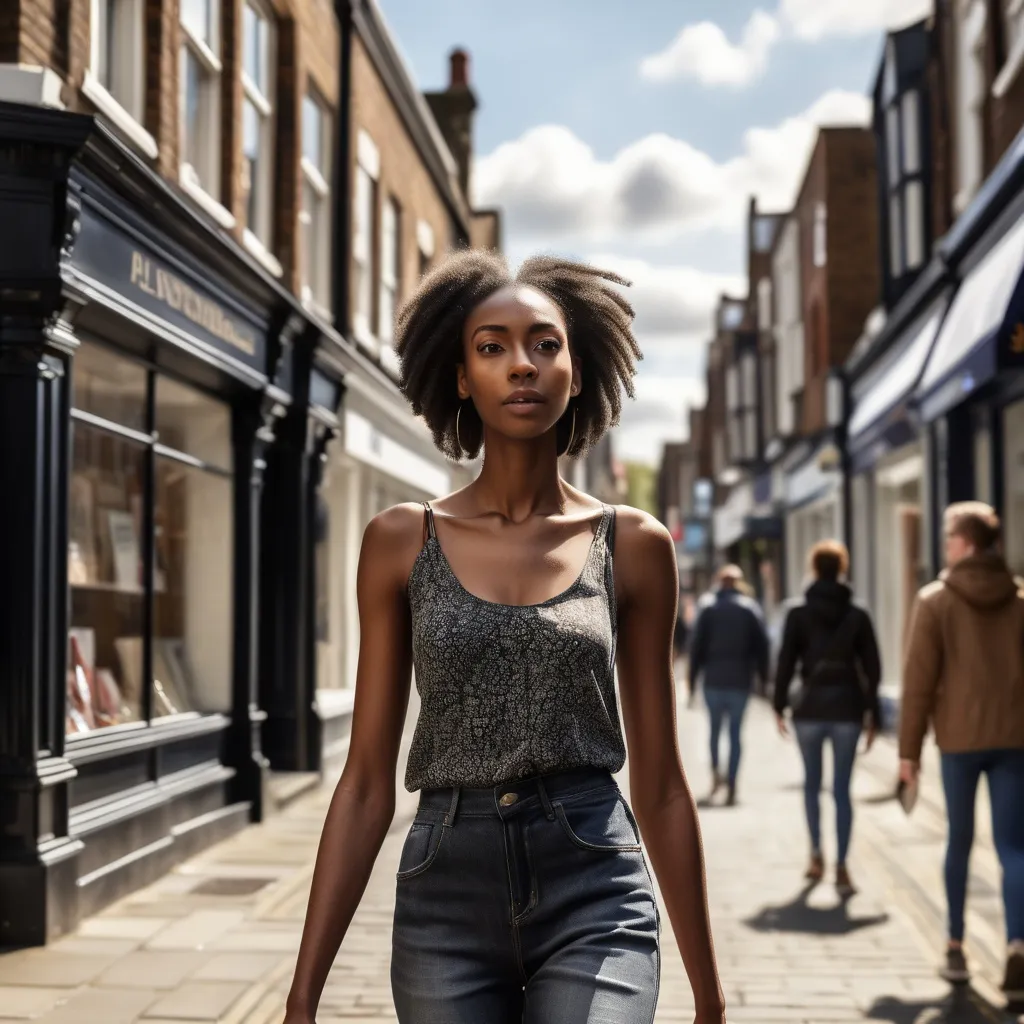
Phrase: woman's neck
(520, 479)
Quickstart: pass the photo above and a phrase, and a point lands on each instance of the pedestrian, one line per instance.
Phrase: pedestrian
(728, 651)
(831, 641)
(964, 674)
(522, 893)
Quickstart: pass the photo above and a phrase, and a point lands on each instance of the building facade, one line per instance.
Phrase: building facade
(213, 211)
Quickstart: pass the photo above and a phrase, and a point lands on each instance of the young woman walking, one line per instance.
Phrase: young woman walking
(522, 892)
(832, 642)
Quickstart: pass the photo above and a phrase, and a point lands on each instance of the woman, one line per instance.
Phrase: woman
(833, 643)
(522, 892)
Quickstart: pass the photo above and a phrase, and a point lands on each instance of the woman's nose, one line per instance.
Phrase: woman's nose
(523, 370)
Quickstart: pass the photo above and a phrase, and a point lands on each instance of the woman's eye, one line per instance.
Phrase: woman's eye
(550, 345)
(490, 348)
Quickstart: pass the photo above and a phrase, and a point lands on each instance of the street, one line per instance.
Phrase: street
(214, 941)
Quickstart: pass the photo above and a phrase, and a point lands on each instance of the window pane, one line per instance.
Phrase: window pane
(387, 314)
(198, 16)
(895, 235)
(192, 98)
(254, 46)
(310, 219)
(105, 572)
(911, 133)
(914, 209)
(193, 423)
(312, 132)
(193, 611)
(892, 143)
(106, 385)
(252, 128)
(103, 26)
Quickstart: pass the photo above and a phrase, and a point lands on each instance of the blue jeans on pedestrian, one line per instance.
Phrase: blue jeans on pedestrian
(1005, 772)
(811, 737)
(528, 902)
(723, 702)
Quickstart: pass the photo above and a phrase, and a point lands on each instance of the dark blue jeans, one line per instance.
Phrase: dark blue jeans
(1005, 772)
(530, 902)
(732, 704)
(843, 736)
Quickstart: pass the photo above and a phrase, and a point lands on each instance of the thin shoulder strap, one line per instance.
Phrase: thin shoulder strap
(429, 533)
(609, 528)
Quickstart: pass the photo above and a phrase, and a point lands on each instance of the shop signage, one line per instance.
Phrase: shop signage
(175, 295)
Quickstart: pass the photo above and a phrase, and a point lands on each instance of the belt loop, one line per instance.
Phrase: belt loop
(544, 799)
(449, 818)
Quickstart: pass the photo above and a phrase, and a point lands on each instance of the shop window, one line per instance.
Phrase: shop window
(258, 48)
(201, 70)
(364, 242)
(1013, 486)
(390, 268)
(316, 202)
(116, 53)
(150, 552)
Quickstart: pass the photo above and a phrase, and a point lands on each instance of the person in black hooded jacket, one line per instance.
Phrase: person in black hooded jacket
(832, 642)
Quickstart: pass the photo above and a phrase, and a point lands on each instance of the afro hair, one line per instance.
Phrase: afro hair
(429, 332)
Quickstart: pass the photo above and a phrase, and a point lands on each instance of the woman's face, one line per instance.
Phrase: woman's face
(518, 369)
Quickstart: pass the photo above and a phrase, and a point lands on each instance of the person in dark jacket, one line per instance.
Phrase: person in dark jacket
(729, 645)
(832, 642)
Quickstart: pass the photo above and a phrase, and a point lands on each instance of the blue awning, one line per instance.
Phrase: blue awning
(892, 382)
(987, 304)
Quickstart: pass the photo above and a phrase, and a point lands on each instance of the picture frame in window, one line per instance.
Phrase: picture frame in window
(124, 544)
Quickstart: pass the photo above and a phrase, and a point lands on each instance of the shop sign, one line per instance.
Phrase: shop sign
(812, 479)
(178, 296)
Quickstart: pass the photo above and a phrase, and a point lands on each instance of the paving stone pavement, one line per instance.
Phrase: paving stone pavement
(215, 940)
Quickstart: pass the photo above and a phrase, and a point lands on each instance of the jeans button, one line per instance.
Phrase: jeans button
(508, 799)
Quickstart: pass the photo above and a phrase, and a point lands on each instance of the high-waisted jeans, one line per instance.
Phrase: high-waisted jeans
(529, 902)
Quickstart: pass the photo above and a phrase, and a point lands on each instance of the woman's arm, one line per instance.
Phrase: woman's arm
(871, 664)
(363, 805)
(645, 564)
(786, 666)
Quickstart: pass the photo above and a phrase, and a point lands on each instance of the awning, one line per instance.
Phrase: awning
(988, 304)
(892, 382)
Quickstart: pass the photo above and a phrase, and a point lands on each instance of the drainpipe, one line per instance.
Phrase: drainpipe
(342, 177)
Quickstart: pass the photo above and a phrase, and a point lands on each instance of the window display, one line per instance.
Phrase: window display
(169, 482)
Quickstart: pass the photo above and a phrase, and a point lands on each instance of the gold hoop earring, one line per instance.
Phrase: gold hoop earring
(572, 432)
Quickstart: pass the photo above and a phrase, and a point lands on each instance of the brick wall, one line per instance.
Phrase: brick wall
(403, 175)
(162, 85)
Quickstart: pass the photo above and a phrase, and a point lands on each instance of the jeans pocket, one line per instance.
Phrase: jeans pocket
(420, 849)
(602, 825)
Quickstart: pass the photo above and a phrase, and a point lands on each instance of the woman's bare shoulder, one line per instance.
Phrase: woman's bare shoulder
(393, 539)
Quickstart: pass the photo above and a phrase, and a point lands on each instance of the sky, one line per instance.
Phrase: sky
(633, 134)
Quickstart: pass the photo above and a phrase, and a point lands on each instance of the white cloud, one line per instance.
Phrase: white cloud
(816, 19)
(554, 188)
(703, 51)
(658, 415)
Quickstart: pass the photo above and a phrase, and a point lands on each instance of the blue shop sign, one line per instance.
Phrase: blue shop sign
(144, 273)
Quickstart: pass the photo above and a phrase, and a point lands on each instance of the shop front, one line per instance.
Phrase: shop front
(748, 533)
(889, 480)
(144, 362)
(813, 503)
(972, 391)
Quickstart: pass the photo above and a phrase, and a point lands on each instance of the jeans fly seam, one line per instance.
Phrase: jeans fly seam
(532, 903)
(516, 947)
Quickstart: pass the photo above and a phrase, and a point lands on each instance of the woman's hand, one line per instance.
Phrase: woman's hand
(714, 1015)
(780, 721)
(870, 736)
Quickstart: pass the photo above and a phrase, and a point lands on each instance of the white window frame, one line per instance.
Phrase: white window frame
(970, 100)
(258, 234)
(820, 239)
(204, 183)
(364, 228)
(125, 105)
(1013, 22)
(426, 245)
(390, 276)
(316, 221)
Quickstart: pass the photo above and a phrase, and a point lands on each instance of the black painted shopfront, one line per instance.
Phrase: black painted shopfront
(151, 375)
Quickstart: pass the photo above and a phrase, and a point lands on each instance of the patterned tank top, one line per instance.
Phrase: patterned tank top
(513, 691)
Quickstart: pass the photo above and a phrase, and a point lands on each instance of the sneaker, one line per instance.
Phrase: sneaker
(955, 969)
(1013, 980)
(844, 886)
(816, 869)
(730, 800)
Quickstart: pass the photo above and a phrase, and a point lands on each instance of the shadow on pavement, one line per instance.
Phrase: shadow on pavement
(800, 917)
(962, 1006)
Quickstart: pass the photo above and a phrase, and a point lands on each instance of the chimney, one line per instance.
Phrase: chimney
(459, 70)
(453, 111)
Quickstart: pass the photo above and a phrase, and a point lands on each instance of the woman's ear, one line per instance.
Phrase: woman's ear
(577, 378)
(461, 382)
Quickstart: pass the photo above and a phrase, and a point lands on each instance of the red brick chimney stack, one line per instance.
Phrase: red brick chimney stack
(459, 76)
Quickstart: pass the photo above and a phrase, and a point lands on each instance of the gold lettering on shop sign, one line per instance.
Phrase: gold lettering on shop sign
(169, 289)
(1017, 339)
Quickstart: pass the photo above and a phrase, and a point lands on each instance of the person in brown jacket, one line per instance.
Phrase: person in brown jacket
(964, 673)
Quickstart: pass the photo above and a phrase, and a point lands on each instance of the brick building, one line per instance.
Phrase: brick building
(212, 211)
